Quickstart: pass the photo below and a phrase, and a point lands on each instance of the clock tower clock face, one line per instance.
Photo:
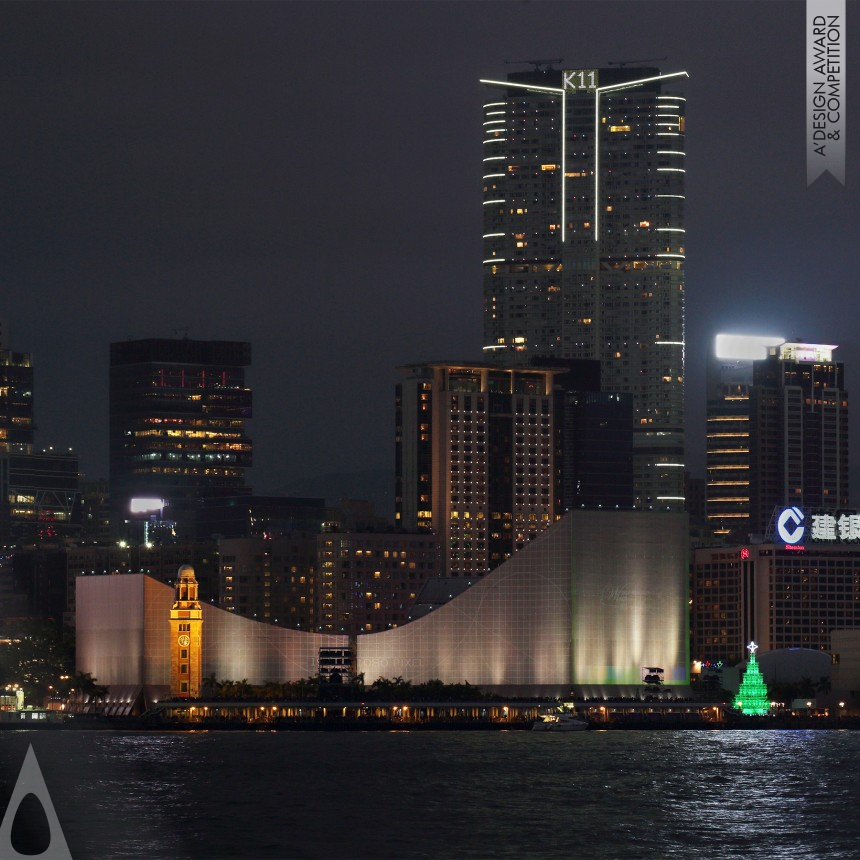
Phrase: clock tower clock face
(184, 640)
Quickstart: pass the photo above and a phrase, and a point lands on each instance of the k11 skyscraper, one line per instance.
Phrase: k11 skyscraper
(583, 186)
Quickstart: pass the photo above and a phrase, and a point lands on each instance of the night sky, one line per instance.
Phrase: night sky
(306, 176)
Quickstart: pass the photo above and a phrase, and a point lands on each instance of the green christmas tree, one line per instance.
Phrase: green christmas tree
(752, 698)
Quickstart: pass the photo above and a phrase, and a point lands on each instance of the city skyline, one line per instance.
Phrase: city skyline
(188, 175)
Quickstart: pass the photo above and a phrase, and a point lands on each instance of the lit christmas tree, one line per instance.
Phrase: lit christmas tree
(752, 698)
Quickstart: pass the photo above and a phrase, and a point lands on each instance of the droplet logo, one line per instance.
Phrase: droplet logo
(795, 517)
(31, 781)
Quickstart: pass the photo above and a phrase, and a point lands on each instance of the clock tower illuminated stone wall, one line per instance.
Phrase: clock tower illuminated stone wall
(186, 637)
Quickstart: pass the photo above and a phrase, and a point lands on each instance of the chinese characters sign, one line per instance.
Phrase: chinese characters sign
(835, 527)
(793, 526)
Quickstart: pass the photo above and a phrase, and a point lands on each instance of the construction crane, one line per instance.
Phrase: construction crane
(536, 63)
(622, 63)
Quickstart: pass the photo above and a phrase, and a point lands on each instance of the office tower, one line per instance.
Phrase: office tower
(777, 432)
(584, 242)
(799, 432)
(95, 510)
(16, 402)
(729, 379)
(178, 410)
(595, 452)
(38, 490)
(476, 459)
(41, 491)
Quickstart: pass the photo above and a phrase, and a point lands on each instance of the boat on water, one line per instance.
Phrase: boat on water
(564, 721)
(30, 718)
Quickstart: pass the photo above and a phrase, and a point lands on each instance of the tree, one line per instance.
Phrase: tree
(210, 685)
(38, 657)
(806, 688)
(272, 690)
(83, 682)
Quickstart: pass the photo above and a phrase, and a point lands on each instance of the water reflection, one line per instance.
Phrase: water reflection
(445, 794)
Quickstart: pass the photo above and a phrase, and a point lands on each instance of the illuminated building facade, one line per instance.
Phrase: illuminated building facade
(475, 453)
(782, 596)
(124, 635)
(730, 377)
(16, 402)
(270, 578)
(777, 432)
(588, 606)
(799, 432)
(38, 490)
(41, 491)
(178, 410)
(584, 247)
(369, 581)
(186, 637)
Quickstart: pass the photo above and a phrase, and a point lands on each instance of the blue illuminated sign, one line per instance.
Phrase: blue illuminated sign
(789, 526)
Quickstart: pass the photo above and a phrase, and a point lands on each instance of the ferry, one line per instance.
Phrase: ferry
(30, 718)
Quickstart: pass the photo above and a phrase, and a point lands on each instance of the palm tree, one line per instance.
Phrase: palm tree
(806, 687)
(210, 684)
(224, 689)
(272, 690)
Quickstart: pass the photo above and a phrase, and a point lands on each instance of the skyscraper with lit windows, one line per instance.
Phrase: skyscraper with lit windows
(39, 490)
(777, 432)
(583, 181)
(476, 459)
(178, 410)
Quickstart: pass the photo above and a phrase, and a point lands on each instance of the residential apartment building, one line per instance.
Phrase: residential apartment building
(583, 242)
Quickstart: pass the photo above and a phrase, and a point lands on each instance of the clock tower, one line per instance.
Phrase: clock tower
(186, 637)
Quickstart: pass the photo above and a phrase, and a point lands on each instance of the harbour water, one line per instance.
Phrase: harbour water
(619, 794)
